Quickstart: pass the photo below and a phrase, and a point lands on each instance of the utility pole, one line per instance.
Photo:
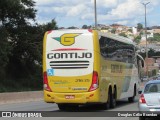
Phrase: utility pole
(145, 4)
(95, 13)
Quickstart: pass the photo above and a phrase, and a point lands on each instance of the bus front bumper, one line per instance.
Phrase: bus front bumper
(80, 98)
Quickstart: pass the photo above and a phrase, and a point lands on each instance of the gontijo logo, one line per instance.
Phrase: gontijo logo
(67, 39)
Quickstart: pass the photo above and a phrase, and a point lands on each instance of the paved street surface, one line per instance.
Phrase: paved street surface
(122, 105)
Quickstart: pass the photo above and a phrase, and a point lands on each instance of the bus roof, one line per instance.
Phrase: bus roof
(71, 30)
(117, 37)
(105, 34)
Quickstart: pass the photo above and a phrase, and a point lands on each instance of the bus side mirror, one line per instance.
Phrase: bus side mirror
(140, 92)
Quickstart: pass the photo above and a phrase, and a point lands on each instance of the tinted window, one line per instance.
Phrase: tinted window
(115, 50)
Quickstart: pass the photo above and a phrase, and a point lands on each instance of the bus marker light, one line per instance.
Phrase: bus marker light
(91, 95)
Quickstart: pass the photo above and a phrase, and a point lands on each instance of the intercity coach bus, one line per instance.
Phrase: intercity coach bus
(88, 67)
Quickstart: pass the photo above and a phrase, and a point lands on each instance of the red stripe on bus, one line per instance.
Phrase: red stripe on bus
(49, 31)
(68, 49)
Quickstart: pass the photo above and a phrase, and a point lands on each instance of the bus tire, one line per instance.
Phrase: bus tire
(131, 99)
(113, 99)
(62, 107)
(107, 104)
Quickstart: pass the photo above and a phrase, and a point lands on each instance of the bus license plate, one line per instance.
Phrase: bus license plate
(69, 96)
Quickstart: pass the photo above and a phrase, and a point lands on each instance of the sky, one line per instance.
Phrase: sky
(81, 12)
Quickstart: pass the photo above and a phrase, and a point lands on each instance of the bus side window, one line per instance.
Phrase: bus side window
(140, 65)
(102, 46)
(117, 51)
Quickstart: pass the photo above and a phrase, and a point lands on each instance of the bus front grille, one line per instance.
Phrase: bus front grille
(69, 64)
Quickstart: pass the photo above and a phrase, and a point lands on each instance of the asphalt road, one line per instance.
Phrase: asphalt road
(122, 105)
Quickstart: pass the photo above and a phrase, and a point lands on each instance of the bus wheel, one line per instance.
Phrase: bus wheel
(107, 104)
(62, 107)
(131, 99)
(113, 99)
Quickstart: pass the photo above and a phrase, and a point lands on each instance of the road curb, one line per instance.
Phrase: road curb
(16, 97)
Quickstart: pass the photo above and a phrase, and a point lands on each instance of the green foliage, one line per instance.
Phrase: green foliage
(49, 26)
(21, 46)
(130, 30)
(139, 26)
(14, 13)
(113, 31)
(123, 34)
(141, 33)
(157, 37)
(5, 51)
(72, 27)
(151, 39)
(104, 28)
(138, 39)
(154, 72)
(84, 27)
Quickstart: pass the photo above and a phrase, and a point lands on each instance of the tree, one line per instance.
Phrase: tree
(5, 51)
(21, 42)
(123, 34)
(138, 39)
(113, 31)
(130, 30)
(72, 27)
(14, 16)
(139, 26)
(104, 28)
(84, 27)
(151, 39)
(157, 37)
(17, 12)
(50, 25)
